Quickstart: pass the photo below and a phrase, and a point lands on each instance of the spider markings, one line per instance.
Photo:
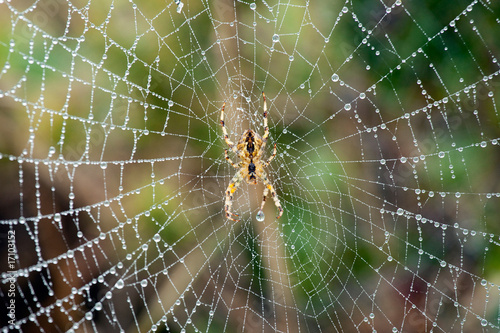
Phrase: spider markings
(249, 149)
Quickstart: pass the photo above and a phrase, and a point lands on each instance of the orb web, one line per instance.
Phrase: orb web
(113, 177)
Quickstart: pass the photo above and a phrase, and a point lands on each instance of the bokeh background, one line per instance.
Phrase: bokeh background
(386, 120)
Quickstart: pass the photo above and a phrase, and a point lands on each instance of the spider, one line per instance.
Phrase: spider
(249, 149)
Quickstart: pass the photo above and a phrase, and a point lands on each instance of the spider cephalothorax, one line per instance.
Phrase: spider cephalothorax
(249, 149)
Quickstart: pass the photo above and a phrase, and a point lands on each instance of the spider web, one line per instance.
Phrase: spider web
(113, 176)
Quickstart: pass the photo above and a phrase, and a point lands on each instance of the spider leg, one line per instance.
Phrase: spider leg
(268, 188)
(266, 127)
(226, 137)
(266, 163)
(233, 185)
(264, 196)
(229, 160)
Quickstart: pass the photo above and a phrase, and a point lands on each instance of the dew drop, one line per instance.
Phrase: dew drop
(98, 306)
(335, 77)
(276, 38)
(180, 4)
(52, 150)
(260, 216)
(120, 284)
(253, 6)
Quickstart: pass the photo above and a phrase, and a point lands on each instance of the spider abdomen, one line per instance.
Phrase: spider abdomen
(250, 147)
